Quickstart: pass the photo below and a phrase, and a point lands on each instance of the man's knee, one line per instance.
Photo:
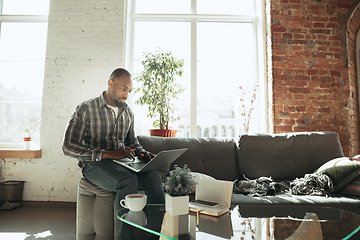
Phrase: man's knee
(150, 178)
(111, 177)
(130, 179)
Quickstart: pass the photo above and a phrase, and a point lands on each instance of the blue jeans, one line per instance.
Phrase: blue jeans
(112, 177)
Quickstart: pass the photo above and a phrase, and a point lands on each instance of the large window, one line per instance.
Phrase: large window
(221, 43)
(23, 33)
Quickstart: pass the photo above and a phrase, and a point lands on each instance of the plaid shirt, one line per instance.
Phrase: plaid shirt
(94, 128)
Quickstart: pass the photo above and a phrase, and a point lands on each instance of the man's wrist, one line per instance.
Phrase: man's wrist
(105, 154)
(97, 155)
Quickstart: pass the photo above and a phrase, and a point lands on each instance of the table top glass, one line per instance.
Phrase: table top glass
(243, 222)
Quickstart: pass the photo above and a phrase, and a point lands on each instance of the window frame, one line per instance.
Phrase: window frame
(259, 25)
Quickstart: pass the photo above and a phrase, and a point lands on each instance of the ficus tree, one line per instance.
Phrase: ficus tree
(159, 87)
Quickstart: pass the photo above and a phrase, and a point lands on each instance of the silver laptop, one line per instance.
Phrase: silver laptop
(162, 160)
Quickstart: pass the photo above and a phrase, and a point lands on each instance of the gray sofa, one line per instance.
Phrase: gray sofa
(284, 156)
(280, 156)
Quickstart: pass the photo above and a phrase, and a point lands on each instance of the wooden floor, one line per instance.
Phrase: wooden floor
(38, 221)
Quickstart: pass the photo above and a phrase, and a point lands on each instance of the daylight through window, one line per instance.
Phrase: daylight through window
(23, 33)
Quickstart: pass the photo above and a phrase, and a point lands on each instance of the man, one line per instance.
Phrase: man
(102, 129)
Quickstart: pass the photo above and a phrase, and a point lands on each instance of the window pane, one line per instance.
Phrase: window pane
(26, 7)
(20, 99)
(149, 36)
(163, 6)
(23, 41)
(170, 37)
(230, 7)
(22, 62)
(226, 61)
(25, 78)
(17, 116)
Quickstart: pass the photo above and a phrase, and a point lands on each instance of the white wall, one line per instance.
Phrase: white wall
(85, 44)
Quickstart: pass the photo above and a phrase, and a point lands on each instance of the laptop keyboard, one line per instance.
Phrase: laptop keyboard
(137, 165)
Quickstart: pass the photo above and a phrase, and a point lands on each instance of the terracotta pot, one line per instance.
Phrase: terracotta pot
(163, 132)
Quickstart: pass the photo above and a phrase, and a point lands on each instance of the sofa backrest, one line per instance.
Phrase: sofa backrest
(288, 155)
(211, 156)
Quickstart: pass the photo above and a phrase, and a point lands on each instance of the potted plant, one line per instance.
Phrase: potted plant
(28, 138)
(178, 186)
(159, 89)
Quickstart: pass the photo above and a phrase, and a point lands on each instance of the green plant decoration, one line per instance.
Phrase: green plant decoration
(180, 181)
(30, 129)
(159, 87)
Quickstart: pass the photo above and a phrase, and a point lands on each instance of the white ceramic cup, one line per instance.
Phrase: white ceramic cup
(134, 202)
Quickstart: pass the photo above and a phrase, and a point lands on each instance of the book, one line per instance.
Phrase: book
(217, 191)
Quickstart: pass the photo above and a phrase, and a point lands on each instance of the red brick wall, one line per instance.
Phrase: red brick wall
(314, 89)
(352, 27)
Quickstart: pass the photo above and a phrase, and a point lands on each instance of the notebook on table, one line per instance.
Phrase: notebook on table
(162, 160)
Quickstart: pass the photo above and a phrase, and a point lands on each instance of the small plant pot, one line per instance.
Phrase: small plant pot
(163, 132)
(177, 205)
(27, 143)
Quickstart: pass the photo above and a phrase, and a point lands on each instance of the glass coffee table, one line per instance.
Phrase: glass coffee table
(243, 222)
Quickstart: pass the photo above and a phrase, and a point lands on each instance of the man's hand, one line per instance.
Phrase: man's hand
(145, 155)
(123, 152)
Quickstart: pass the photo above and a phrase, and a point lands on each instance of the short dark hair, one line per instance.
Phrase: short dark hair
(118, 72)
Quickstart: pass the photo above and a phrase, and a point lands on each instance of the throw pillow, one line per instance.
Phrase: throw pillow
(200, 176)
(352, 188)
(341, 170)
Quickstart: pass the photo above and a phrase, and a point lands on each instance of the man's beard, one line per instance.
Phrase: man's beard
(119, 103)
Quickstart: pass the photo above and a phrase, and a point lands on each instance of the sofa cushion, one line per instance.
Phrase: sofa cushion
(286, 156)
(347, 203)
(215, 157)
(342, 171)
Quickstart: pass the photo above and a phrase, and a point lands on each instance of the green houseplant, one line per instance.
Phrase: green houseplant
(27, 131)
(180, 181)
(159, 89)
(177, 187)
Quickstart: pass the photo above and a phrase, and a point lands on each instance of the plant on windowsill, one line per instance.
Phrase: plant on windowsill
(178, 186)
(28, 138)
(159, 89)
